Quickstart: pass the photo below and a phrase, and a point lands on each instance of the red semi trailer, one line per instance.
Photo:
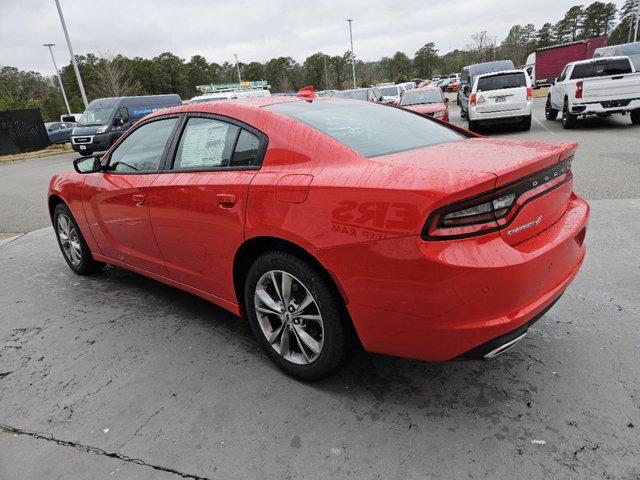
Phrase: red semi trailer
(546, 63)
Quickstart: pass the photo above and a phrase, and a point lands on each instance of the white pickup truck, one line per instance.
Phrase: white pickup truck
(599, 86)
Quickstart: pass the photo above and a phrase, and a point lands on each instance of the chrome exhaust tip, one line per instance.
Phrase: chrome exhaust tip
(504, 347)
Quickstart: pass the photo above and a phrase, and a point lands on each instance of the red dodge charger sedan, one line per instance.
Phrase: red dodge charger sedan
(329, 222)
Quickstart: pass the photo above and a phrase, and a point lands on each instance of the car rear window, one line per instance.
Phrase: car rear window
(601, 68)
(503, 80)
(369, 129)
(354, 94)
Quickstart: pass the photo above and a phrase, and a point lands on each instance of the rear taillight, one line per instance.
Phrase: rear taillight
(529, 93)
(472, 99)
(494, 210)
(579, 89)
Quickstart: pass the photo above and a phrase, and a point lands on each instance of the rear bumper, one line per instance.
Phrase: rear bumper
(608, 106)
(506, 116)
(437, 300)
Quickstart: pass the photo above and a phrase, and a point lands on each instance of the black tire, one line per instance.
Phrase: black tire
(568, 119)
(526, 123)
(337, 340)
(86, 264)
(550, 113)
(635, 117)
(473, 126)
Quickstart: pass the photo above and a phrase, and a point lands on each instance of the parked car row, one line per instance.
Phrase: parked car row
(496, 93)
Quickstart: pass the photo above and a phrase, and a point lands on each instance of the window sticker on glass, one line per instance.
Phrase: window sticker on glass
(205, 143)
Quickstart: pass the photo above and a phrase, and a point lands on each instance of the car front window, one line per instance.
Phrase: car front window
(95, 116)
(142, 150)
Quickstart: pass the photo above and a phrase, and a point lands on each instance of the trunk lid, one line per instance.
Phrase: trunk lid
(501, 100)
(510, 163)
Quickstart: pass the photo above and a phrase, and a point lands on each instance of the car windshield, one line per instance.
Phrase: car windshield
(354, 94)
(95, 116)
(391, 91)
(418, 98)
(601, 68)
(503, 80)
(369, 129)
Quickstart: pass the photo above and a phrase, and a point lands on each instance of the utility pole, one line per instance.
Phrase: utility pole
(353, 55)
(238, 68)
(64, 95)
(635, 35)
(326, 73)
(73, 57)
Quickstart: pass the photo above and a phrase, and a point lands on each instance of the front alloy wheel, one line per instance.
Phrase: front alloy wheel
(72, 244)
(69, 240)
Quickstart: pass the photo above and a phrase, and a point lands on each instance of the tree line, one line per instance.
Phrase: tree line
(117, 75)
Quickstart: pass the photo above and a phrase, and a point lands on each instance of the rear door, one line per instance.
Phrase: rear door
(117, 204)
(198, 207)
(501, 92)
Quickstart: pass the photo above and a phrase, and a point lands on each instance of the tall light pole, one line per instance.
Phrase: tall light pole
(64, 95)
(635, 35)
(353, 55)
(238, 68)
(73, 57)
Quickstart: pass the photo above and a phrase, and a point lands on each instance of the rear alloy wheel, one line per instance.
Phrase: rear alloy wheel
(526, 123)
(295, 317)
(635, 117)
(72, 244)
(568, 119)
(550, 113)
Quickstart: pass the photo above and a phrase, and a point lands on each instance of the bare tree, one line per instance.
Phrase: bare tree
(111, 78)
(481, 45)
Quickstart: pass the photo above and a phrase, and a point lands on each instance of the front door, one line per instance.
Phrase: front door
(198, 208)
(117, 204)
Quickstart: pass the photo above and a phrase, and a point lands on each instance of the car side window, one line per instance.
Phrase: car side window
(563, 74)
(142, 150)
(205, 143)
(123, 113)
(246, 152)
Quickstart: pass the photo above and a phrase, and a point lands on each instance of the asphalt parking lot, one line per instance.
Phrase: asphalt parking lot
(117, 376)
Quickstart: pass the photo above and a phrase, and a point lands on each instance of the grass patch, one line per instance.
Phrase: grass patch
(50, 150)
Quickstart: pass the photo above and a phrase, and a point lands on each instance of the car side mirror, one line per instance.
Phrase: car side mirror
(118, 122)
(553, 81)
(87, 164)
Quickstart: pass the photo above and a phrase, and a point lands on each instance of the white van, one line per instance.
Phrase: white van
(501, 97)
(230, 95)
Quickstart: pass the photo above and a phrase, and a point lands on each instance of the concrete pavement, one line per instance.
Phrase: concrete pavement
(117, 376)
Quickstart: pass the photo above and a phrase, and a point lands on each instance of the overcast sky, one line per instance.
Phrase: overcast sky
(256, 30)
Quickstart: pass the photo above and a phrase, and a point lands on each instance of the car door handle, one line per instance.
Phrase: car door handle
(226, 200)
(138, 200)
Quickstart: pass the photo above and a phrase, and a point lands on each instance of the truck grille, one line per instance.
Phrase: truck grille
(81, 139)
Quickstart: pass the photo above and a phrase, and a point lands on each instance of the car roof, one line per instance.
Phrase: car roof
(598, 59)
(500, 72)
(241, 104)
